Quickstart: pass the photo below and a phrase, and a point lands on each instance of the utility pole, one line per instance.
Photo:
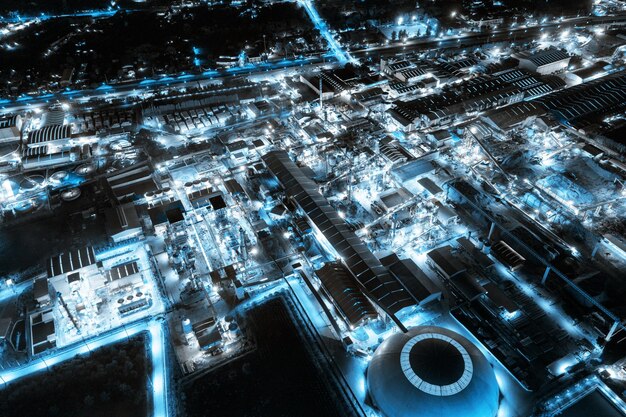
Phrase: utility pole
(264, 46)
(321, 94)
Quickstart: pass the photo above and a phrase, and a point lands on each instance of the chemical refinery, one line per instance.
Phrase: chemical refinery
(373, 208)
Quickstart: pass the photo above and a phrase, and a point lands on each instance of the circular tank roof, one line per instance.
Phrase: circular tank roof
(70, 194)
(85, 169)
(432, 371)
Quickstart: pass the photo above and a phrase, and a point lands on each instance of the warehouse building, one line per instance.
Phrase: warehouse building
(341, 287)
(374, 279)
(10, 128)
(544, 62)
(50, 135)
(42, 332)
(122, 222)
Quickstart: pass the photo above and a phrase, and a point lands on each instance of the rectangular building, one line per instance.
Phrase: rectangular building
(374, 279)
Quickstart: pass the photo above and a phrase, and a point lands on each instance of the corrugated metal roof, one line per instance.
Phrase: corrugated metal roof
(50, 133)
(344, 290)
(384, 289)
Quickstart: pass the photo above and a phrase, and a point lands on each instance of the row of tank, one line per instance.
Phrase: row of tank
(25, 194)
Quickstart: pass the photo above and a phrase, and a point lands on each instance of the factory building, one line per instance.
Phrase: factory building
(580, 104)
(391, 68)
(332, 82)
(68, 267)
(341, 287)
(85, 287)
(42, 157)
(590, 73)
(122, 222)
(545, 62)
(56, 135)
(412, 278)
(373, 278)
(42, 332)
(414, 170)
(475, 95)
(410, 75)
(530, 83)
(517, 114)
(445, 263)
(128, 183)
(105, 119)
(432, 371)
(10, 128)
(54, 116)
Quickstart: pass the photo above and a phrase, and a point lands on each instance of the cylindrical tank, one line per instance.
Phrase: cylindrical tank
(85, 169)
(70, 194)
(432, 372)
(58, 177)
(187, 326)
(187, 330)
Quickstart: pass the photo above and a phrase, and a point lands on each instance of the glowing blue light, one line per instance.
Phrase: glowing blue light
(342, 56)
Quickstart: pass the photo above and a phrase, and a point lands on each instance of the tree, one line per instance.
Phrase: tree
(105, 396)
(89, 400)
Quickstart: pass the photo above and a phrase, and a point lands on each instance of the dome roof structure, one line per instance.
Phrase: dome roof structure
(432, 372)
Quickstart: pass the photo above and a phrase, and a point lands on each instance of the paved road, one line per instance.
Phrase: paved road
(337, 53)
(125, 89)
(518, 34)
(151, 85)
(342, 56)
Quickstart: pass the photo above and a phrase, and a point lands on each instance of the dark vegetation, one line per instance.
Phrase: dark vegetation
(25, 247)
(144, 43)
(36, 7)
(280, 378)
(343, 14)
(112, 381)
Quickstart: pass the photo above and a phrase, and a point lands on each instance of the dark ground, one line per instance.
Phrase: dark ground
(36, 7)
(111, 382)
(152, 43)
(278, 379)
(593, 404)
(26, 246)
(343, 14)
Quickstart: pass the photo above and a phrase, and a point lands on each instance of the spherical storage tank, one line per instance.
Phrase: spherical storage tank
(432, 372)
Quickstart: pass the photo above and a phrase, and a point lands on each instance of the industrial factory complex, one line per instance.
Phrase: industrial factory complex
(435, 193)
